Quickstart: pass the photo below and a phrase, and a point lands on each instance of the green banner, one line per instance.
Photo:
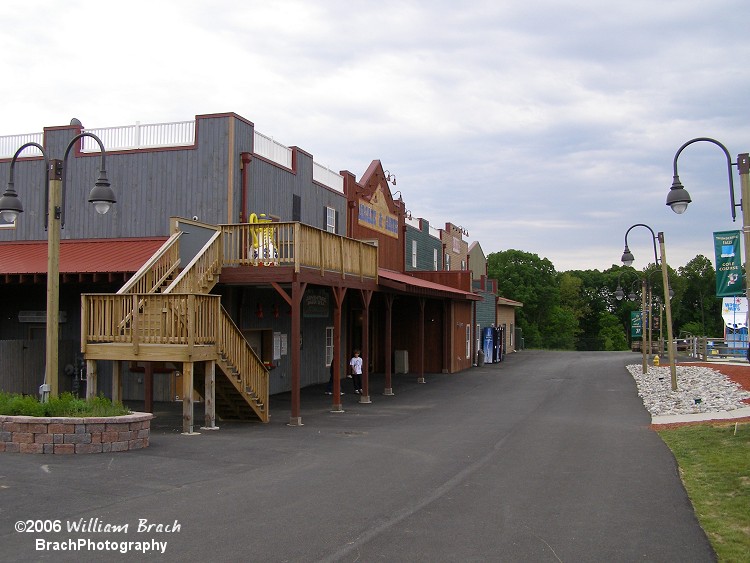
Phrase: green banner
(636, 324)
(728, 264)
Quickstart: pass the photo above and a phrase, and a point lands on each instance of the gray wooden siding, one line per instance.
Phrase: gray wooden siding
(485, 308)
(426, 245)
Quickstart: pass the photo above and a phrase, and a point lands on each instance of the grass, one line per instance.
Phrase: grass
(64, 405)
(714, 461)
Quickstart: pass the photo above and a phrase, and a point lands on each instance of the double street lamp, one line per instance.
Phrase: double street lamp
(678, 197)
(628, 259)
(101, 196)
(619, 294)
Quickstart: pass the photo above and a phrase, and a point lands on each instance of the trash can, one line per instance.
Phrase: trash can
(480, 357)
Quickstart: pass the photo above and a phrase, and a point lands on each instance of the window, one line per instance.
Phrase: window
(296, 208)
(463, 265)
(330, 219)
(435, 259)
(479, 336)
(468, 340)
(413, 254)
(447, 262)
(329, 345)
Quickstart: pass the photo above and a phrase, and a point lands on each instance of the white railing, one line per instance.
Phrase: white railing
(414, 222)
(328, 177)
(141, 136)
(272, 150)
(9, 144)
(177, 134)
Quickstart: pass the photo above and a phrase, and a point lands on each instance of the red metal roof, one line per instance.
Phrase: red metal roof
(411, 284)
(79, 256)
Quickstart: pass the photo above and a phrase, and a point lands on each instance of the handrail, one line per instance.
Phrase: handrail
(204, 266)
(297, 245)
(252, 373)
(161, 265)
(156, 318)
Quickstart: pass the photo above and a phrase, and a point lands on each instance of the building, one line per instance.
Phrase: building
(250, 269)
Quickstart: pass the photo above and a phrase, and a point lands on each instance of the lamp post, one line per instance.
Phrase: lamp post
(101, 196)
(628, 259)
(619, 294)
(678, 199)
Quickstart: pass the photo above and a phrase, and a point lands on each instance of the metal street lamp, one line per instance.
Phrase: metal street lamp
(101, 196)
(628, 259)
(678, 198)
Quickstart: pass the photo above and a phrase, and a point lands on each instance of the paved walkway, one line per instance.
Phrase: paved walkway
(547, 457)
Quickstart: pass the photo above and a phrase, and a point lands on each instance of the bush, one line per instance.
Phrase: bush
(64, 405)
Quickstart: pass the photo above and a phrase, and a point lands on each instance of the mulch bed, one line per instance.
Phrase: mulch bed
(739, 373)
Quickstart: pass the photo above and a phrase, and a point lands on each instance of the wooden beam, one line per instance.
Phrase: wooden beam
(389, 297)
(187, 397)
(209, 396)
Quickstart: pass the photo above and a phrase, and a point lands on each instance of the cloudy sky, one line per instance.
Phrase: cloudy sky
(548, 126)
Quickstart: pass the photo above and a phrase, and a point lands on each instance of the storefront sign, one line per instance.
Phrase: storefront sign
(315, 303)
(376, 215)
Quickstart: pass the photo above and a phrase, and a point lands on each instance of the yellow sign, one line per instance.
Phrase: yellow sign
(376, 215)
(262, 250)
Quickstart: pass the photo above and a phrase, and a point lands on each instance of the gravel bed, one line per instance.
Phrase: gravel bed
(699, 390)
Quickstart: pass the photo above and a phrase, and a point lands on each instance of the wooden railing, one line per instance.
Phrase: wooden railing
(157, 270)
(202, 273)
(251, 374)
(300, 246)
(156, 318)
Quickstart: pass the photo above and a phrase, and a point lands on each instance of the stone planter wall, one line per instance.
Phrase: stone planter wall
(67, 435)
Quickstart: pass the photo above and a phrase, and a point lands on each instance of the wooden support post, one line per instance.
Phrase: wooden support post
(338, 299)
(187, 397)
(209, 396)
(364, 398)
(298, 290)
(388, 343)
(91, 378)
(421, 378)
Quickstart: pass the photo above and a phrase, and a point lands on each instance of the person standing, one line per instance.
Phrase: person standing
(356, 365)
(329, 387)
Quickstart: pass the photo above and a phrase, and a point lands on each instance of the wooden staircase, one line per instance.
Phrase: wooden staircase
(242, 391)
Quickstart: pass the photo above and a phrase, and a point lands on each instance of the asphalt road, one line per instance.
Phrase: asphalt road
(545, 457)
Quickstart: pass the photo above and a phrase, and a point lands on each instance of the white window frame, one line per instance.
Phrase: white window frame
(447, 264)
(435, 259)
(468, 341)
(330, 220)
(329, 345)
(414, 254)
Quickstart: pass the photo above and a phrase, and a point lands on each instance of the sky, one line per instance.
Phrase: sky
(547, 126)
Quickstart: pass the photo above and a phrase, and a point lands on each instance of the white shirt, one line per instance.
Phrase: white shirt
(356, 364)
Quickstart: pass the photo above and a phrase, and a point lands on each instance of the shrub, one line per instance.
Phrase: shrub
(64, 405)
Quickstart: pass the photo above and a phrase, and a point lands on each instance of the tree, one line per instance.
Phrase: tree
(700, 306)
(523, 276)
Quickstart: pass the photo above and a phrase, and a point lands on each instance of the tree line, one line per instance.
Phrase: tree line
(579, 309)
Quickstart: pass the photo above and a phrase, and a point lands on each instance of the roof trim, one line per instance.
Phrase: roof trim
(22, 259)
(417, 286)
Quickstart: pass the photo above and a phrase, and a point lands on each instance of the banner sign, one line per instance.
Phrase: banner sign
(636, 324)
(728, 264)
